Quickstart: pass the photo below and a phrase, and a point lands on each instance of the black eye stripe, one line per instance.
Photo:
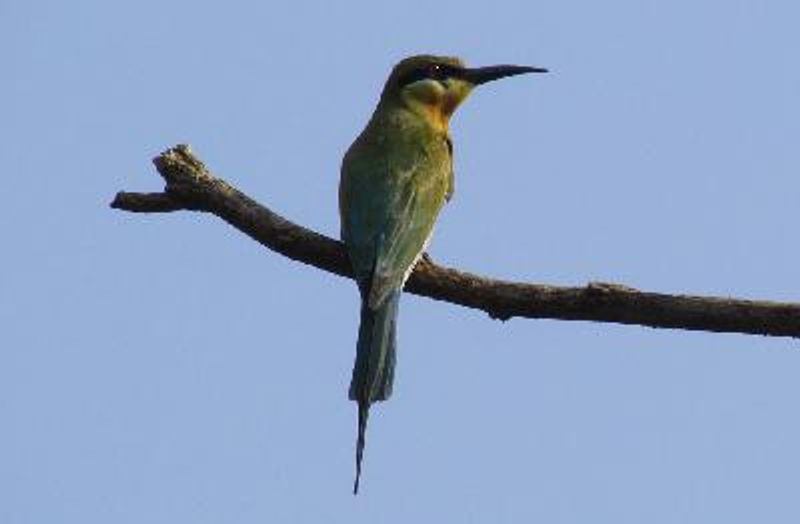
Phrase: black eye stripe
(432, 71)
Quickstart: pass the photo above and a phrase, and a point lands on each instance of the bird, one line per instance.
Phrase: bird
(395, 178)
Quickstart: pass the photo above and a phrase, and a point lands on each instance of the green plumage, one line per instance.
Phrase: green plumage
(396, 177)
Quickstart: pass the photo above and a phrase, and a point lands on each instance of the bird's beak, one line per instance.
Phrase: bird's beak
(481, 75)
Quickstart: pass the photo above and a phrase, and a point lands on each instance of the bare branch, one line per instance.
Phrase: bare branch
(190, 186)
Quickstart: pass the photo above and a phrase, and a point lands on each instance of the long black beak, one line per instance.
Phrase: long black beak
(481, 75)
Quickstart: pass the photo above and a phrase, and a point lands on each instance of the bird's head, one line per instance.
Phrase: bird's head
(434, 86)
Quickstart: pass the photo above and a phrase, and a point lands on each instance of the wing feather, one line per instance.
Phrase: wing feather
(391, 205)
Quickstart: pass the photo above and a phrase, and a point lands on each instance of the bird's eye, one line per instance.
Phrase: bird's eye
(436, 71)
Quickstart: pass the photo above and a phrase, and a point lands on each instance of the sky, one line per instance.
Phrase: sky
(166, 368)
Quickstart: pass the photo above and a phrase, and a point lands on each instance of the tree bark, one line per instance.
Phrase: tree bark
(190, 186)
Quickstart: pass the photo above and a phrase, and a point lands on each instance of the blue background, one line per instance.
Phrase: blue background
(165, 368)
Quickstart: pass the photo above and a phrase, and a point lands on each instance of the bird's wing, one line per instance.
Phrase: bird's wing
(451, 175)
(388, 212)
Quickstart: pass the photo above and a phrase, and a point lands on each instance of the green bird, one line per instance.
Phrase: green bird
(395, 179)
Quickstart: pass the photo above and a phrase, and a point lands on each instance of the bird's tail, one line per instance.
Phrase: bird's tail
(373, 372)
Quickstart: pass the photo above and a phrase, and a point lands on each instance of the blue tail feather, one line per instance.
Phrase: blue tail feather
(376, 356)
(373, 372)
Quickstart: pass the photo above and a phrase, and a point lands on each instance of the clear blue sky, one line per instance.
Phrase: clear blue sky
(166, 369)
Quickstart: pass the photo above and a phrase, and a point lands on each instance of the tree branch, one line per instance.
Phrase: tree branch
(190, 186)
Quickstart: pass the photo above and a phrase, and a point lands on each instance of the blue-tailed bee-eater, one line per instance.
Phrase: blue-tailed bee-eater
(395, 179)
